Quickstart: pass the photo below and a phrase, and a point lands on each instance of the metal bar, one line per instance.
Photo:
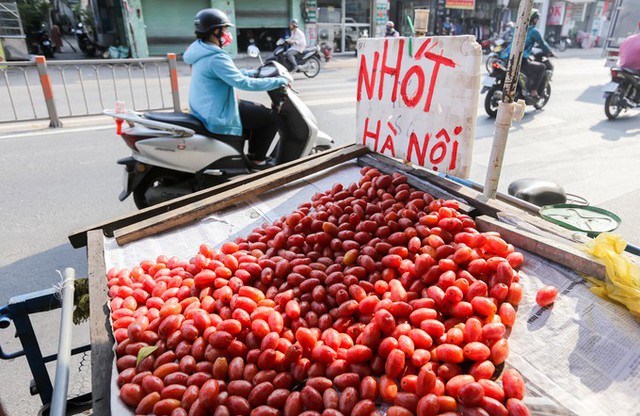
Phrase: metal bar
(28, 339)
(160, 84)
(173, 75)
(84, 92)
(28, 84)
(517, 49)
(47, 90)
(13, 106)
(66, 92)
(133, 97)
(113, 74)
(95, 69)
(61, 384)
(74, 351)
(146, 85)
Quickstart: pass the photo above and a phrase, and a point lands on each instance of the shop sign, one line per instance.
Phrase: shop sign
(381, 12)
(312, 33)
(460, 4)
(309, 9)
(556, 13)
(417, 100)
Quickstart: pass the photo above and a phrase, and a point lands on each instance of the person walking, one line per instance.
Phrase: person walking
(214, 78)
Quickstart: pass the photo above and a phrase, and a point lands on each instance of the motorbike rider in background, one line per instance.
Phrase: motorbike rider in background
(507, 33)
(534, 70)
(391, 32)
(298, 42)
(629, 52)
(212, 95)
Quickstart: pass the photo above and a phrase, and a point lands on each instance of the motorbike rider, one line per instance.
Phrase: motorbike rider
(391, 32)
(507, 33)
(298, 42)
(534, 70)
(214, 77)
(629, 52)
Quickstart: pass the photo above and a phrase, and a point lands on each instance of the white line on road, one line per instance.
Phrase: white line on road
(327, 101)
(336, 86)
(347, 111)
(56, 131)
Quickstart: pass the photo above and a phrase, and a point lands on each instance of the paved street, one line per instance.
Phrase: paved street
(56, 181)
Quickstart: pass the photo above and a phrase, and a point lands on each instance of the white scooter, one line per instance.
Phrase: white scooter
(173, 154)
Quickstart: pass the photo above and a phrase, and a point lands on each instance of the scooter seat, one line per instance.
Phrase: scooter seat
(311, 49)
(537, 191)
(631, 71)
(191, 122)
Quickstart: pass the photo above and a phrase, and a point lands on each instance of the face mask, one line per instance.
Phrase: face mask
(227, 39)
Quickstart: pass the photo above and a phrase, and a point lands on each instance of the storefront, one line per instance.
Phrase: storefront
(340, 23)
(447, 17)
(165, 26)
(585, 23)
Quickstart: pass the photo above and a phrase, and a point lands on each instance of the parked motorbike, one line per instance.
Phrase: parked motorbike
(43, 43)
(494, 83)
(560, 43)
(487, 44)
(498, 46)
(85, 43)
(173, 154)
(308, 61)
(622, 93)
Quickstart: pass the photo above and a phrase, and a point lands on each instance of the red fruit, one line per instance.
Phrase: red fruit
(546, 295)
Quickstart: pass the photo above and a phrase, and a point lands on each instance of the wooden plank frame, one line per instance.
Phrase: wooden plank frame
(193, 207)
(102, 340)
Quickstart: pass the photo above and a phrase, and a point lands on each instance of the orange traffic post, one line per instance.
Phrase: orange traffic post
(47, 90)
(173, 74)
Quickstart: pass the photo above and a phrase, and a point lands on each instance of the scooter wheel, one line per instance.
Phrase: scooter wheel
(612, 108)
(312, 67)
(492, 100)
(544, 97)
(562, 45)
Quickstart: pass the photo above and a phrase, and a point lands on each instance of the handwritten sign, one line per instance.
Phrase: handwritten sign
(417, 99)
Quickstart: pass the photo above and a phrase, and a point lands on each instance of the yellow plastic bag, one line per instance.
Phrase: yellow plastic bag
(623, 276)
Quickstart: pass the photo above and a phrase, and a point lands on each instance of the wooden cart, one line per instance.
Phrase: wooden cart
(191, 208)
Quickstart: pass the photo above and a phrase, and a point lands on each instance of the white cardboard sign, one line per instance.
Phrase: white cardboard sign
(417, 99)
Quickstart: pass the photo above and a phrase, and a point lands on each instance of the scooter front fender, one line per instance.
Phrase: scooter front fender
(133, 175)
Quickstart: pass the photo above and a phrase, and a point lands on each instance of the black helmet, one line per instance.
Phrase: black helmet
(294, 23)
(208, 19)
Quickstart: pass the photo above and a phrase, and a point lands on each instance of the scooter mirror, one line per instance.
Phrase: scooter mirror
(253, 51)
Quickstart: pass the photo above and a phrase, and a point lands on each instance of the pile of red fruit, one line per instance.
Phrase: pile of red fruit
(371, 299)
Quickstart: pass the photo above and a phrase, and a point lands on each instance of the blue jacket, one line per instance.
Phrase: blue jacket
(533, 38)
(214, 76)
